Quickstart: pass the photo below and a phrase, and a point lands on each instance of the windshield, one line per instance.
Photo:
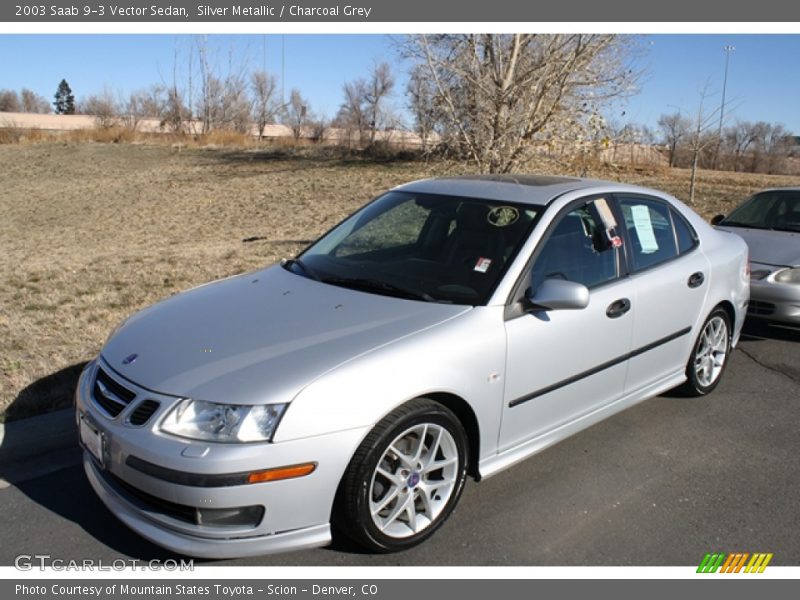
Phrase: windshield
(778, 210)
(421, 246)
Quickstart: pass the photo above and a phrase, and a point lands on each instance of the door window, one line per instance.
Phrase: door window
(650, 231)
(578, 250)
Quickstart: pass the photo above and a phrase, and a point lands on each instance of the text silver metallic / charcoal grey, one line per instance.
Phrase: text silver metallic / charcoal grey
(450, 328)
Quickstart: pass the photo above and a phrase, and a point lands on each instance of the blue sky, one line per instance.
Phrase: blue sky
(763, 78)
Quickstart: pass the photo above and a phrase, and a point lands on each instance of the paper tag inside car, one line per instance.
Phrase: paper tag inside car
(483, 265)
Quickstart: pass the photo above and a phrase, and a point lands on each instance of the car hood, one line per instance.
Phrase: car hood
(770, 247)
(260, 337)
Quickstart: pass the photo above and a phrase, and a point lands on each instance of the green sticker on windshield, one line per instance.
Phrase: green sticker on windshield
(503, 216)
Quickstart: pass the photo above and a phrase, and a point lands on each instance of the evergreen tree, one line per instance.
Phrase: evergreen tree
(65, 101)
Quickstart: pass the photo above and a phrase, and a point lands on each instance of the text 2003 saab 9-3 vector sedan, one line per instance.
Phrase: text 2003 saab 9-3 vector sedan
(451, 327)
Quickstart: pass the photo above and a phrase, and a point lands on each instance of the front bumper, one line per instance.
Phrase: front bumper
(296, 512)
(774, 301)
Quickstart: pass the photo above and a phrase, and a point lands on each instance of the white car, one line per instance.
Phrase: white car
(450, 328)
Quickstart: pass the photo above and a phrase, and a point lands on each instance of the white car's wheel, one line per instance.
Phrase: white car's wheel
(709, 355)
(405, 478)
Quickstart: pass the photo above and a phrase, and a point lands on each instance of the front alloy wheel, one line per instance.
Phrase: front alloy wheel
(406, 477)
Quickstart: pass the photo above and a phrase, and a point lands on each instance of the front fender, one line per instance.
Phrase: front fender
(464, 357)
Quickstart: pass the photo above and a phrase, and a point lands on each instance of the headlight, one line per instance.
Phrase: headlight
(788, 276)
(201, 420)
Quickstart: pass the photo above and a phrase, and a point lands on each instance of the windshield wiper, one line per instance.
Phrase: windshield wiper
(380, 287)
(290, 262)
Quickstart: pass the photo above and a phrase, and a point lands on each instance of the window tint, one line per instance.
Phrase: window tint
(577, 250)
(650, 231)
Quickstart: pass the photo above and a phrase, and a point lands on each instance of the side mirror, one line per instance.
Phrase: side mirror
(558, 294)
(717, 219)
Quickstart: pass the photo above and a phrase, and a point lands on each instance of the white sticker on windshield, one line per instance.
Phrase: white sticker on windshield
(644, 228)
(483, 265)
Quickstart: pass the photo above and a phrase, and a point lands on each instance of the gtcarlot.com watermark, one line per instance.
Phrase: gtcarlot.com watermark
(30, 562)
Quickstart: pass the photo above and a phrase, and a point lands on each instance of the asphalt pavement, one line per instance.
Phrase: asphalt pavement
(660, 484)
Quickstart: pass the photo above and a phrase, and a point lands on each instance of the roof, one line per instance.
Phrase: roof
(530, 189)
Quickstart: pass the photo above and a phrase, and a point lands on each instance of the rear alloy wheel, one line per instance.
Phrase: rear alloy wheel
(710, 355)
(406, 477)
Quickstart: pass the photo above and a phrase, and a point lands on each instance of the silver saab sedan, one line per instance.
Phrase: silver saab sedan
(770, 224)
(450, 328)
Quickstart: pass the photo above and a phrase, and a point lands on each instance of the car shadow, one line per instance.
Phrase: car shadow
(50, 473)
(36, 424)
(49, 393)
(757, 331)
(78, 503)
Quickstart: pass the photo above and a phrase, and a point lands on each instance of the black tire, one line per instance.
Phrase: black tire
(423, 490)
(702, 383)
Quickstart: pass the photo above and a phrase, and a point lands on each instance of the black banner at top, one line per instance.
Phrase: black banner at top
(378, 11)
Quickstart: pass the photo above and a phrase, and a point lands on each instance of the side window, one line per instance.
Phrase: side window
(649, 226)
(577, 250)
(687, 238)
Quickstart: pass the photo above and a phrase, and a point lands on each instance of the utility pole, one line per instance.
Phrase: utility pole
(727, 49)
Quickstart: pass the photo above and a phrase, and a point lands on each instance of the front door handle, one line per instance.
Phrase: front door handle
(696, 280)
(618, 308)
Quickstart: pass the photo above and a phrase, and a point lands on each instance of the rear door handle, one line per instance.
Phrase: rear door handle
(696, 280)
(618, 308)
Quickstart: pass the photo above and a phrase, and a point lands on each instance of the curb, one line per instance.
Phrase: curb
(35, 436)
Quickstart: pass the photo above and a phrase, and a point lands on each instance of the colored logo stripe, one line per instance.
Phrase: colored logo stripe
(734, 562)
(758, 563)
(711, 563)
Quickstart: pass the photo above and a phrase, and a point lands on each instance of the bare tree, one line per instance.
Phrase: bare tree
(675, 128)
(377, 90)
(297, 114)
(174, 112)
(351, 115)
(142, 104)
(102, 106)
(31, 102)
(263, 88)
(738, 139)
(500, 94)
(9, 101)
(224, 102)
(776, 144)
(701, 137)
(424, 104)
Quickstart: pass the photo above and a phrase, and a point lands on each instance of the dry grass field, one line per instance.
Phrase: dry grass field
(91, 232)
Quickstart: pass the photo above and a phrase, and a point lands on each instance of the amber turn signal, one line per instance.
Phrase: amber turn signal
(281, 473)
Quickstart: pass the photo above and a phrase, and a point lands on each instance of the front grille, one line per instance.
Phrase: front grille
(142, 413)
(110, 395)
(757, 307)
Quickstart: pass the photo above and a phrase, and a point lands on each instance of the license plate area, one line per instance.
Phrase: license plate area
(93, 440)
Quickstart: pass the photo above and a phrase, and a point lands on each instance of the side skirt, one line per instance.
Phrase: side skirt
(494, 464)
